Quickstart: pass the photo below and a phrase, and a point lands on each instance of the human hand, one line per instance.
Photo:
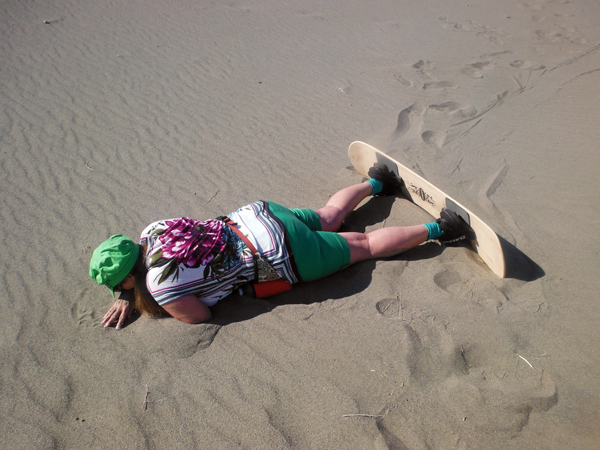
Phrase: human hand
(121, 310)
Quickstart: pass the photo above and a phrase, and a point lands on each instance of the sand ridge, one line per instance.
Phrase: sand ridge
(121, 113)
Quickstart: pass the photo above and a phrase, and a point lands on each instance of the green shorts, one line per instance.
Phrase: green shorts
(316, 253)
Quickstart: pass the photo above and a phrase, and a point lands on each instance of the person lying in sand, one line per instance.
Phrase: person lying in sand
(182, 266)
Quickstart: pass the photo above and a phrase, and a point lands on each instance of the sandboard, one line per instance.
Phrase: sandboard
(424, 194)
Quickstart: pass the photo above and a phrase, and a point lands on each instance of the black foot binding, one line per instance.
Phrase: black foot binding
(392, 183)
(454, 227)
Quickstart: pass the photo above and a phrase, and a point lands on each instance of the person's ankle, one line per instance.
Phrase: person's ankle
(376, 186)
(434, 230)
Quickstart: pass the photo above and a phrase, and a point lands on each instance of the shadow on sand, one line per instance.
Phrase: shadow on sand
(358, 277)
(519, 266)
(342, 284)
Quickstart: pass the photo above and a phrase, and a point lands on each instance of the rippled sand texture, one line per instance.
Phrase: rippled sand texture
(116, 114)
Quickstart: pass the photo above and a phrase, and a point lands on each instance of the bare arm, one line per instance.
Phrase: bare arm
(188, 309)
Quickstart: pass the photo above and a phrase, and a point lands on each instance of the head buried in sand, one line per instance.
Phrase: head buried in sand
(113, 260)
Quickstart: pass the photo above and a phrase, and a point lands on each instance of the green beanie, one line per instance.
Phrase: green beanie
(113, 260)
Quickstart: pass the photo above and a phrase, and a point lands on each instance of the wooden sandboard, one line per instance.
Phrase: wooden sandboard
(424, 194)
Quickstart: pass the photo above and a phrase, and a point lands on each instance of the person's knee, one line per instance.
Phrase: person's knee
(360, 247)
(331, 218)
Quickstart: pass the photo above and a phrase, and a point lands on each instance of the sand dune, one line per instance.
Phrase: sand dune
(118, 114)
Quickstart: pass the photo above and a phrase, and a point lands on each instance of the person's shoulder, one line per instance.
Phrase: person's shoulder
(156, 227)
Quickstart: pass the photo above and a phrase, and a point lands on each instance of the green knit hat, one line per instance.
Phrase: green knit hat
(113, 260)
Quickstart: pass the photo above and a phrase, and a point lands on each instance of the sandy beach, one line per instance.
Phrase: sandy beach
(117, 114)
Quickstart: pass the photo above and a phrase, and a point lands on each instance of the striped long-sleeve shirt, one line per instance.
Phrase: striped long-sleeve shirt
(207, 259)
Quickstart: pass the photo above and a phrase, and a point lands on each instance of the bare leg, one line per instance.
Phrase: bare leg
(376, 244)
(341, 204)
(384, 242)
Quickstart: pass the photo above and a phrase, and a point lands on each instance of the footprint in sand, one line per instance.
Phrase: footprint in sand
(408, 119)
(450, 281)
(390, 308)
(489, 56)
(440, 85)
(528, 65)
(462, 377)
(82, 313)
(455, 109)
(436, 138)
(567, 35)
(84, 316)
(495, 35)
(475, 70)
(440, 124)
(473, 289)
(423, 69)
(463, 284)
(423, 66)
(446, 107)
(442, 116)
(403, 81)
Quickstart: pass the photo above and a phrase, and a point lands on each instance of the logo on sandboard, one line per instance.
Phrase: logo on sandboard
(422, 194)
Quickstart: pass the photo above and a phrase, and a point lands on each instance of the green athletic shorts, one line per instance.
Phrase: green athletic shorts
(316, 253)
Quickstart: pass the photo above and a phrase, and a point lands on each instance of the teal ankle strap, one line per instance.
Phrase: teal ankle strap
(434, 230)
(376, 185)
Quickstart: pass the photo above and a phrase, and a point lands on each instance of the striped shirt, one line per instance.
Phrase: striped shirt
(218, 272)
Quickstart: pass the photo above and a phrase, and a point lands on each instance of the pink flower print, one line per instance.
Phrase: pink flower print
(191, 242)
